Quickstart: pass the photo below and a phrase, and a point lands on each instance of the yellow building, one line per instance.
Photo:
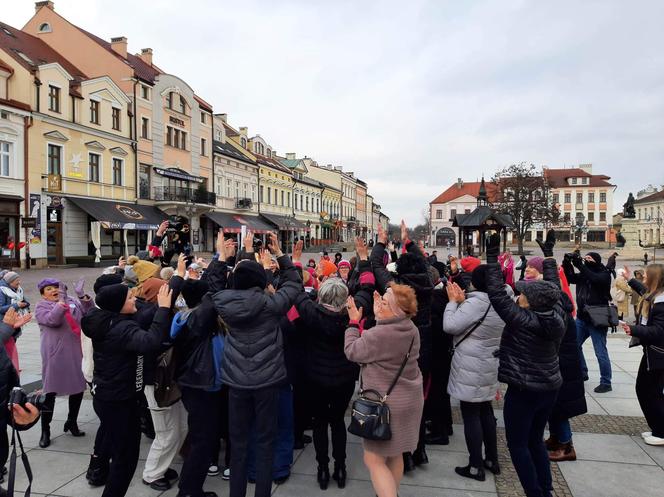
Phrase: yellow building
(81, 175)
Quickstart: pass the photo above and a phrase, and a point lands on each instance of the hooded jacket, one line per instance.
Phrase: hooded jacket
(253, 351)
(528, 354)
(119, 344)
(593, 285)
(474, 372)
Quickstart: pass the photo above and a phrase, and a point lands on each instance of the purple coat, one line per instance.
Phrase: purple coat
(61, 347)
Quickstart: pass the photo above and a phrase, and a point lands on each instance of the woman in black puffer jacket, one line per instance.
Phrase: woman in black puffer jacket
(331, 375)
(528, 357)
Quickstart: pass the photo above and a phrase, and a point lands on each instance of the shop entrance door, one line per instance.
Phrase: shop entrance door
(54, 243)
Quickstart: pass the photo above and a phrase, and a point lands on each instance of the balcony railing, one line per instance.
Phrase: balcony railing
(243, 203)
(179, 194)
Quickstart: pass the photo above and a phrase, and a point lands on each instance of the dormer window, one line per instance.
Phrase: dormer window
(244, 142)
(574, 181)
(45, 28)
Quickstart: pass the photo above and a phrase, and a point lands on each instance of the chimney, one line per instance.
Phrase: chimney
(244, 131)
(48, 4)
(119, 45)
(459, 183)
(223, 117)
(588, 168)
(339, 168)
(290, 155)
(146, 55)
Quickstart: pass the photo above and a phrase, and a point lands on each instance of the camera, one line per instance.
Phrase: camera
(18, 396)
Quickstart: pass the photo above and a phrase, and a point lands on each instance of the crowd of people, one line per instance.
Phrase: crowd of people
(248, 351)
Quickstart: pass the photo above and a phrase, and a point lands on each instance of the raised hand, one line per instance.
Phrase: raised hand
(221, 246)
(164, 296)
(62, 293)
(390, 247)
(266, 259)
(201, 262)
(10, 317)
(361, 249)
(404, 231)
(420, 245)
(297, 251)
(628, 273)
(382, 235)
(493, 248)
(182, 265)
(230, 248)
(547, 246)
(78, 288)
(162, 228)
(122, 262)
(455, 293)
(273, 245)
(354, 313)
(248, 242)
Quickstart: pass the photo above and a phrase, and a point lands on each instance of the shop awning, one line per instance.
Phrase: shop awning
(232, 223)
(175, 173)
(286, 223)
(121, 215)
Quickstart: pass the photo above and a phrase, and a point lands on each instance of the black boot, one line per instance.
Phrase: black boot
(45, 439)
(470, 472)
(323, 477)
(97, 473)
(408, 463)
(72, 427)
(420, 457)
(339, 474)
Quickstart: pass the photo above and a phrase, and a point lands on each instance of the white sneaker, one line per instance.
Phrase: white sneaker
(646, 434)
(213, 470)
(654, 440)
(226, 475)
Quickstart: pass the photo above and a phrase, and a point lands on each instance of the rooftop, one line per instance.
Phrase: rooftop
(557, 178)
(459, 189)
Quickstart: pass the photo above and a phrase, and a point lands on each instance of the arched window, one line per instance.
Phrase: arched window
(244, 142)
(45, 28)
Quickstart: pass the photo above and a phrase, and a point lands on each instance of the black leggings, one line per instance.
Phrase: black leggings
(649, 386)
(479, 427)
(328, 406)
(49, 405)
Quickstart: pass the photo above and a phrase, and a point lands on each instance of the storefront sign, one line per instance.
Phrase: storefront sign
(28, 222)
(55, 202)
(171, 173)
(35, 213)
(175, 120)
(54, 183)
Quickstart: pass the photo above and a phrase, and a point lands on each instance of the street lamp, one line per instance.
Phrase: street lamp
(610, 232)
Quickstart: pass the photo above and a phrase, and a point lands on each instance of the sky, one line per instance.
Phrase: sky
(412, 95)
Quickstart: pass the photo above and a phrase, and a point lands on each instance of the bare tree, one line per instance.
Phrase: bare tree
(523, 193)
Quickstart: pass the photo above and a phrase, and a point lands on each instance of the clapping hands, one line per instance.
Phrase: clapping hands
(455, 293)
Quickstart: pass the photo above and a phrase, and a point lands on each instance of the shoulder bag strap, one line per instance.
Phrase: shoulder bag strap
(475, 326)
(403, 365)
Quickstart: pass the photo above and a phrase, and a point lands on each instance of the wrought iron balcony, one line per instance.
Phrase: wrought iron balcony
(243, 203)
(179, 194)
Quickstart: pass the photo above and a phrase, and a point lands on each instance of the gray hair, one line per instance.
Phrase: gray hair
(166, 273)
(333, 293)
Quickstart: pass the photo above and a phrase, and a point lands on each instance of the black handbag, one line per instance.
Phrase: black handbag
(654, 357)
(602, 316)
(370, 418)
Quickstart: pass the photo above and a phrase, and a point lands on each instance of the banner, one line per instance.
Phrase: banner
(35, 212)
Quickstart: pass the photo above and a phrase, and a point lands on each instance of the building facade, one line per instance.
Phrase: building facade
(649, 207)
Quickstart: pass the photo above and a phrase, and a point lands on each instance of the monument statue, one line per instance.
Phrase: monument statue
(628, 208)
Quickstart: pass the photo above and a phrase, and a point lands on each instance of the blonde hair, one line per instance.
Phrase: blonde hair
(406, 298)
(655, 286)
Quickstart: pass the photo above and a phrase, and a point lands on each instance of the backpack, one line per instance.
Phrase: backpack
(166, 390)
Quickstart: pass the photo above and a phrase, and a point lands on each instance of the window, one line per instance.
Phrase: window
(143, 181)
(54, 159)
(183, 140)
(261, 194)
(5, 158)
(116, 118)
(288, 199)
(602, 217)
(307, 204)
(579, 198)
(439, 213)
(169, 136)
(282, 198)
(602, 197)
(584, 181)
(296, 200)
(203, 146)
(591, 197)
(556, 198)
(45, 28)
(237, 189)
(568, 198)
(591, 217)
(145, 92)
(169, 100)
(54, 98)
(244, 142)
(452, 214)
(145, 128)
(467, 211)
(93, 167)
(94, 112)
(203, 117)
(574, 181)
(117, 172)
(567, 217)
(269, 195)
(183, 105)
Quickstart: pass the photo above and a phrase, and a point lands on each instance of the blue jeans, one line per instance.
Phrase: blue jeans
(598, 336)
(561, 429)
(526, 413)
